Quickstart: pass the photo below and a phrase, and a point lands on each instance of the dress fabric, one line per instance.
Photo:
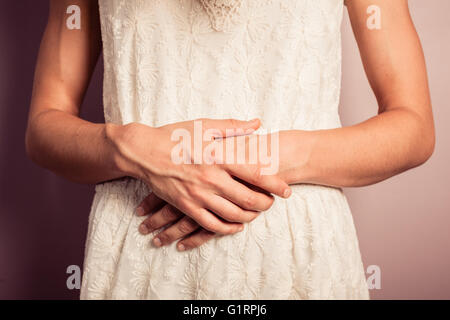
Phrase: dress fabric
(175, 60)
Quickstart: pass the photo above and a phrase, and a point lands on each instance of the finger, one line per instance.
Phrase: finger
(244, 197)
(252, 174)
(178, 230)
(228, 210)
(231, 127)
(149, 204)
(195, 240)
(159, 219)
(211, 222)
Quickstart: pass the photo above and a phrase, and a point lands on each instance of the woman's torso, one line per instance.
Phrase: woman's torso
(278, 60)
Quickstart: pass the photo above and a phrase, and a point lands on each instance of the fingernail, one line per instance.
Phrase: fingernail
(287, 193)
(181, 247)
(140, 211)
(143, 229)
(157, 242)
(241, 228)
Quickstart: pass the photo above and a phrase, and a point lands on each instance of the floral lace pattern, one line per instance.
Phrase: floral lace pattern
(278, 60)
(220, 11)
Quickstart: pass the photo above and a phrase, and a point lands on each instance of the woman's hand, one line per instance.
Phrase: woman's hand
(176, 224)
(208, 194)
(179, 226)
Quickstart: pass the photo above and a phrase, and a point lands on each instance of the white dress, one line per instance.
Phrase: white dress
(174, 60)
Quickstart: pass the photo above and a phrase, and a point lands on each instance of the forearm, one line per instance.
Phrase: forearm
(76, 149)
(363, 154)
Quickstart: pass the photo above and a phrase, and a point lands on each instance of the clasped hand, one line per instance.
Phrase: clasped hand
(194, 202)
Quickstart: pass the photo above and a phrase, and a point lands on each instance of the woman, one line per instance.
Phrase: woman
(161, 229)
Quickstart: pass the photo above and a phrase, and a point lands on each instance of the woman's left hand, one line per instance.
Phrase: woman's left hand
(176, 225)
(173, 223)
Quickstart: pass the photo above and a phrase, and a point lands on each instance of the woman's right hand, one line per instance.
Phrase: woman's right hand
(205, 192)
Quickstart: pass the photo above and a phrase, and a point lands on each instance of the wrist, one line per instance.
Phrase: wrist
(296, 147)
(119, 138)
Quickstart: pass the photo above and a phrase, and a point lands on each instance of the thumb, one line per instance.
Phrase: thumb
(232, 127)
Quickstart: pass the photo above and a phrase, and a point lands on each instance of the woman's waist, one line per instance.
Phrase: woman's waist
(131, 187)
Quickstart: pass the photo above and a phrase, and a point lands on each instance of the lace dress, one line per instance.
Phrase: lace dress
(174, 60)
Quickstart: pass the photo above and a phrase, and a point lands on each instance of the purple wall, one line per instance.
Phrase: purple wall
(43, 218)
(403, 223)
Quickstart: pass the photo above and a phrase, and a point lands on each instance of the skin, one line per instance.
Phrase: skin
(85, 152)
(189, 199)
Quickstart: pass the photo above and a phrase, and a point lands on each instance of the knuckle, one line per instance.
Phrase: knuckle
(165, 211)
(185, 227)
(165, 237)
(168, 212)
(211, 226)
(250, 201)
(184, 205)
(208, 177)
(235, 214)
(150, 223)
(194, 192)
(256, 174)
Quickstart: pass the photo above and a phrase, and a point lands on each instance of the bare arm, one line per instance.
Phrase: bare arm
(56, 137)
(401, 136)
(85, 152)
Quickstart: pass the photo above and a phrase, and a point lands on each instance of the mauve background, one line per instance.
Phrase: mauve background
(403, 223)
